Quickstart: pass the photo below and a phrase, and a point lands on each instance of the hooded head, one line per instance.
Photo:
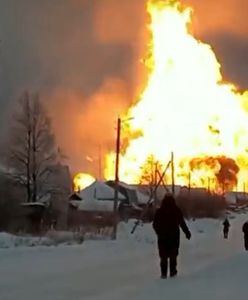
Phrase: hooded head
(168, 201)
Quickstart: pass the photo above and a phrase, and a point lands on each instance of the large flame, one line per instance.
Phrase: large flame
(186, 108)
(82, 180)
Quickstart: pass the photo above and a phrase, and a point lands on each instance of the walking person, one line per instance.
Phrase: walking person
(226, 226)
(167, 222)
(245, 231)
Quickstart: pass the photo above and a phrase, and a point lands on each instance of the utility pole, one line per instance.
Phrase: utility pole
(100, 162)
(209, 185)
(189, 181)
(155, 184)
(172, 174)
(114, 233)
(223, 188)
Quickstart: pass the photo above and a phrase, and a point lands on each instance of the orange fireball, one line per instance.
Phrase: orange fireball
(82, 180)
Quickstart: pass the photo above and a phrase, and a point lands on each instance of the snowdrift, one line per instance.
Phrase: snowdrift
(52, 238)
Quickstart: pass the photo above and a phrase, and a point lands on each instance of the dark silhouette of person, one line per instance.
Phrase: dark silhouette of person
(226, 226)
(245, 231)
(168, 220)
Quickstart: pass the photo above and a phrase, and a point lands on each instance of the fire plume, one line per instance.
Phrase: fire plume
(82, 180)
(186, 107)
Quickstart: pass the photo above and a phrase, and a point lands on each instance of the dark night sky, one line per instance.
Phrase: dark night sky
(79, 46)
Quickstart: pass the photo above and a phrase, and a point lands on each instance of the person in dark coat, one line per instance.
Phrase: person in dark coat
(167, 222)
(226, 226)
(245, 231)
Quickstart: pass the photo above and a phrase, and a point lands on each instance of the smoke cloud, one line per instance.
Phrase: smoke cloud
(224, 168)
(86, 128)
(83, 57)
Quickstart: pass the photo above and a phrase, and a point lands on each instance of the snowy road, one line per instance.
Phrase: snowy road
(75, 272)
(128, 268)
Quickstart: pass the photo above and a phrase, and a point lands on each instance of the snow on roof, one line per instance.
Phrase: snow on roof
(232, 197)
(127, 186)
(142, 198)
(95, 205)
(97, 197)
(100, 191)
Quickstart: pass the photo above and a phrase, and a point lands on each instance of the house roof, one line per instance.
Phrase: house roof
(97, 197)
(232, 197)
(94, 205)
(140, 197)
(100, 191)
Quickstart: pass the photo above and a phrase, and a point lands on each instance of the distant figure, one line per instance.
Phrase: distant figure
(245, 231)
(166, 224)
(226, 226)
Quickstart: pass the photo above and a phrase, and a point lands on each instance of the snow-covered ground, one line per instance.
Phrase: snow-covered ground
(209, 267)
(52, 238)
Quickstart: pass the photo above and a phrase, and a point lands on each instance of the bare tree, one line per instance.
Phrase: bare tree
(149, 175)
(32, 150)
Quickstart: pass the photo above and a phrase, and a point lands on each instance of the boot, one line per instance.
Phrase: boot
(164, 267)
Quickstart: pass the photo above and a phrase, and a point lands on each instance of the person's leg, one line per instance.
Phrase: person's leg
(173, 265)
(246, 243)
(163, 260)
(164, 267)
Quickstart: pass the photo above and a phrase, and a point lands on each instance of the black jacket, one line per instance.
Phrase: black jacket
(245, 228)
(167, 221)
